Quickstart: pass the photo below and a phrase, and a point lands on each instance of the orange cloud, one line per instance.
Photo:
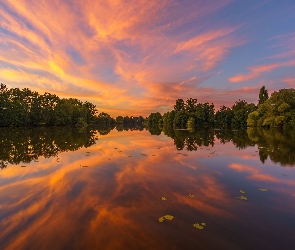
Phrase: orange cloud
(255, 72)
(112, 56)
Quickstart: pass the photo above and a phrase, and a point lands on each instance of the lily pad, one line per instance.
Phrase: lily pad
(191, 195)
(166, 217)
(242, 191)
(263, 189)
(199, 226)
(161, 219)
(242, 197)
(163, 198)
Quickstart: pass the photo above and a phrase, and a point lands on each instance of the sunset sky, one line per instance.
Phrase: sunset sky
(133, 57)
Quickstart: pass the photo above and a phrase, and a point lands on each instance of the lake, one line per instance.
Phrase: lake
(99, 189)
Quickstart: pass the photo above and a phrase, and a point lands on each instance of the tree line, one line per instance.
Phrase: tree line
(275, 111)
(23, 107)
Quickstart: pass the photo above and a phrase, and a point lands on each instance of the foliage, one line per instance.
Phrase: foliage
(241, 109)
(26, 108)
(224, 117)
(276, 111)
(263, 95)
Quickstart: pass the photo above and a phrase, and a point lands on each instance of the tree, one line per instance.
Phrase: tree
(263, 95)
(179, 106)
(276, 111)
(191, 105)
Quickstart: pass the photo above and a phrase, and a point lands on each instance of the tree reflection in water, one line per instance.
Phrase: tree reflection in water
(28, 144)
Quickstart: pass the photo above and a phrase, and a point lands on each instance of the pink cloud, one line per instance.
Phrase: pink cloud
(256, 71)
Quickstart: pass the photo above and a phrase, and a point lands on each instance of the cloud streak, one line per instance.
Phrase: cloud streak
(122, 55)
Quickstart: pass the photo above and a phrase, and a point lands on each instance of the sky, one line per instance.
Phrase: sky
(134, 57)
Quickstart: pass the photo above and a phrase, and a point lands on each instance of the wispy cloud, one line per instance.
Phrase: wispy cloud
(120, 51)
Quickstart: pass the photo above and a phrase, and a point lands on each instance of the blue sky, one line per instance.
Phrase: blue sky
(136, 57)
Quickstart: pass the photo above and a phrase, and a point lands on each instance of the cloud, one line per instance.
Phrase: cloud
(256, 71)
(126, 53)
(284, 58)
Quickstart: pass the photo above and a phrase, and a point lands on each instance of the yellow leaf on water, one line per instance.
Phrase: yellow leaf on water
(163, 198)
(168, 217)
(263, 189)
(198, 226)
(191, 195)
(242, 197)
(203, 224)
(242, 191)
(161, 219)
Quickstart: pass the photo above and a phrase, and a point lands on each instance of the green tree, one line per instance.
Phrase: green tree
(179, 106)
(276, 111)
(263, 95)
(190, 105)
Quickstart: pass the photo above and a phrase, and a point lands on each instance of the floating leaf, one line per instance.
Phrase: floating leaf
(161, 219)
(242, 197)
(242, 191)
(203, 224)
(284, 175)
(23, 166)
(198, 226)
(163, 198)
(84, 166)
(166, 217)
(143, 154)
(213, 173)
(184, 154)
(153, 155)
(120, 151)
(191, 195)
(115, 148)
(263, 189)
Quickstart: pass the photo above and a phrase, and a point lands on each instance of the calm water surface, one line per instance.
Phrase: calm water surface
(67, 189)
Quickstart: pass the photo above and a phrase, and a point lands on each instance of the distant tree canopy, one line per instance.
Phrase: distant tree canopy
(263, 95)
(25, 107)
(276, 111)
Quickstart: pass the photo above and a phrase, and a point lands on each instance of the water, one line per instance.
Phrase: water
(69, 189)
